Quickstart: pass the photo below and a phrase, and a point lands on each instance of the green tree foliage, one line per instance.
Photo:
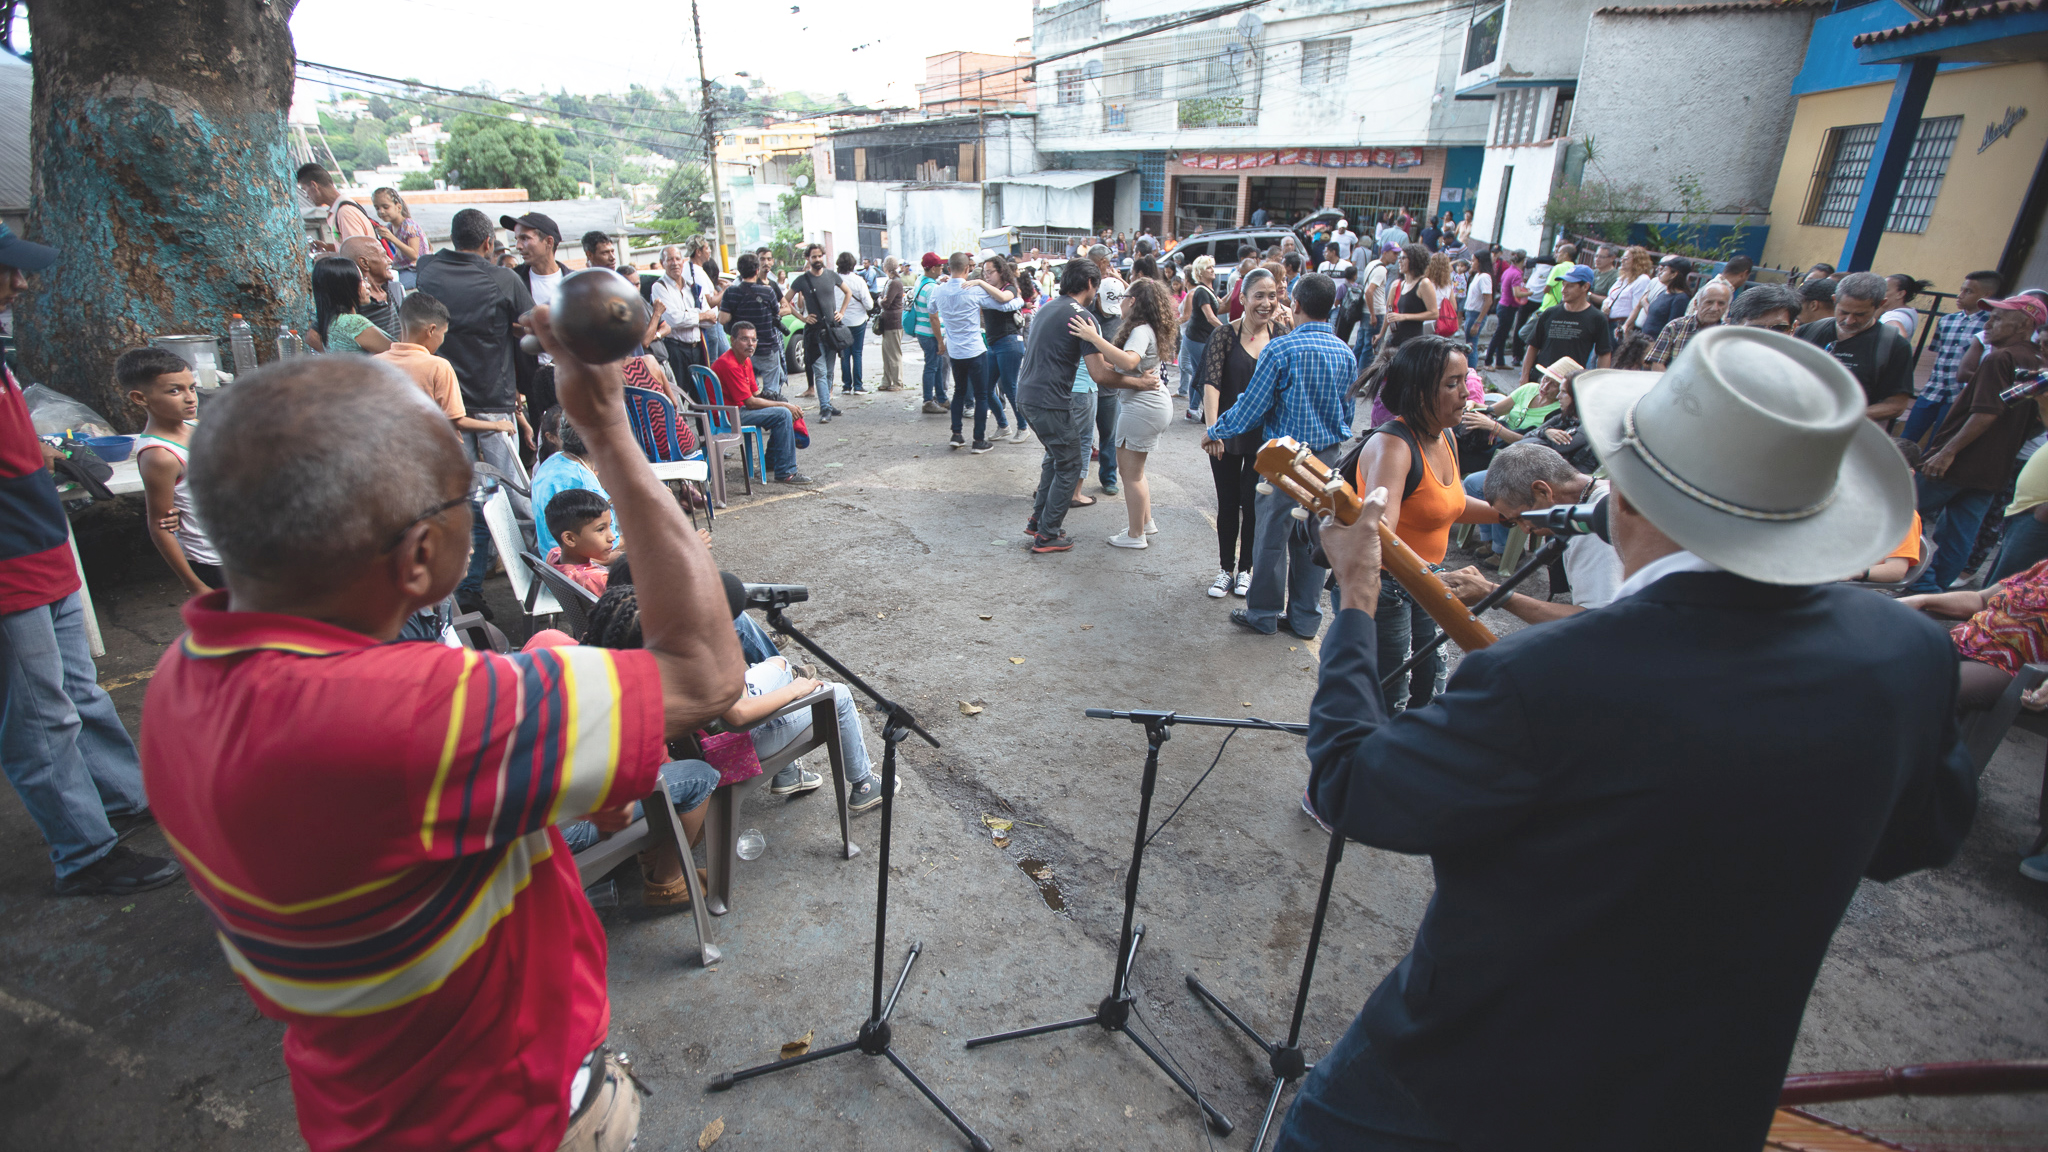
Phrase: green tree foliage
(486, 153)
(805, 183)
(381, 108)
(682, 196)
(416, 182)
(368, 137)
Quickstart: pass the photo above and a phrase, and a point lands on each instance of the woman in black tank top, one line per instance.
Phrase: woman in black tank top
(1416, 305)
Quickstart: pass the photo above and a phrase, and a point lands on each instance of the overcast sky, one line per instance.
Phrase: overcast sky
(608, 45)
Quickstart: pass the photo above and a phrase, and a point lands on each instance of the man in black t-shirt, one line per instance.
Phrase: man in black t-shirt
(1572, 328)
(759, 304)
(1874, 353)
(1045, 391)
(814, 296)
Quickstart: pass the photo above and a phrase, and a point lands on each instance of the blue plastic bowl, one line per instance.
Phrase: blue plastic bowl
(112, 449)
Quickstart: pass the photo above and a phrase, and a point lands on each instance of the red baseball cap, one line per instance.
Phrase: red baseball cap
(2031, 305)
(932, 260)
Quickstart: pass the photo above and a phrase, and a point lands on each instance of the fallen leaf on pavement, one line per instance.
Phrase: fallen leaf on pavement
(1016, 659)
(996, 825)
(798, 1047)
(988, 617)
(710, 1134)
(967, 709)
(1086, 627)
(1002, 841)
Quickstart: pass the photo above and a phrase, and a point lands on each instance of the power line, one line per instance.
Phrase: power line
(531, 124)
(414, 85)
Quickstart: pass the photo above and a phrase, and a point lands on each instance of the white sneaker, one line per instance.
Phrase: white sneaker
(1221, 587)
(1244, 583)
(1123, 540)
(1020, 435)
(1151, 529)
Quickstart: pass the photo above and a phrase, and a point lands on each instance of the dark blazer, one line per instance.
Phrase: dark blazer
(1646, 822)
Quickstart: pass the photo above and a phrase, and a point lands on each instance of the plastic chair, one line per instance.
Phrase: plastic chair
(721, 816)
(1898, 587)
(724, 421)
(655, 425)
(658, 826)
(575, 599)
(1984, 731)
(753, 439)
(534, 598)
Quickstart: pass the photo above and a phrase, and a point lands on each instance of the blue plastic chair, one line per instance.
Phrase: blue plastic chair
(753, 439)
(655, 424)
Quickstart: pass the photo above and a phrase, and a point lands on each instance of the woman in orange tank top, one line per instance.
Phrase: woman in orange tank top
(1424, 386)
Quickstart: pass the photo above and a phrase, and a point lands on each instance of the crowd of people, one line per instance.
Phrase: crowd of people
(424, 935)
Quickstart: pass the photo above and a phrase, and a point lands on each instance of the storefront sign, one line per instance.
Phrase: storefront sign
(1394, 158)
(1993, 133)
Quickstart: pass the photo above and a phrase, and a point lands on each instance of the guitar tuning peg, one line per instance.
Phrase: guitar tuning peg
(1298, 512)
(1265, 488)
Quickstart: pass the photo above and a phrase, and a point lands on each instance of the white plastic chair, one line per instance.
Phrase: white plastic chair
(534, 598)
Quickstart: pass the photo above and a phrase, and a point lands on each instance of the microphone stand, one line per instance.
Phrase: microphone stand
(873, 1038)
(1113, 1013)
(1542, 557)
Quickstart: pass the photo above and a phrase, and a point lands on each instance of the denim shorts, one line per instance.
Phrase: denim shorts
(689, 783)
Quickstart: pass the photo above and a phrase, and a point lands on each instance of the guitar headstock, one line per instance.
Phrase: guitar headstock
(1290, 467)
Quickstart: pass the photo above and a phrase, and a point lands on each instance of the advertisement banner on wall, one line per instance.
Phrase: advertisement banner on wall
(1397, 159)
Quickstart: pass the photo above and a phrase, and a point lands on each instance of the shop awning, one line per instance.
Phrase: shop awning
(1063, 180)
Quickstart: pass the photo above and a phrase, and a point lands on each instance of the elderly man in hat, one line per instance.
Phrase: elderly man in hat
(61, 743)
(1646, 821)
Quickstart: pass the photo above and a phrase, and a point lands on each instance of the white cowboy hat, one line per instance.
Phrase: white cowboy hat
(1753, 453)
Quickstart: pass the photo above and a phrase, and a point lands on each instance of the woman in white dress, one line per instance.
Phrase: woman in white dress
(1147, 337)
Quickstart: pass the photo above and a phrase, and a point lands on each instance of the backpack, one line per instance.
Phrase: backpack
(1446, 313)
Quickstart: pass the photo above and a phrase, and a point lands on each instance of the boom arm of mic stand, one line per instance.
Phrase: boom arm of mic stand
(897, 713)
(1170, 718)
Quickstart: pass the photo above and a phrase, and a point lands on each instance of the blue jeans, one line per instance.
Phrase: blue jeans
(755, 643)
(1190, 367)
(768, 374)
(850, 361)
(1956, 514)
(499, 451)
(2022, 544)
(781, 732)
(970, 379)
(689, 783)
(1350, 1102)
(1005, 356)
(1109, 406)
(934, 369)
(1402, 626)
(1473, 319)
(1924, 417)
(1494, 534)
(780, 425)
(1283, 577)
(61, 743)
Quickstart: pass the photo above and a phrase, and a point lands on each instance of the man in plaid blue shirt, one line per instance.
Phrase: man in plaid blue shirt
(1952, 336)
(1300, 389)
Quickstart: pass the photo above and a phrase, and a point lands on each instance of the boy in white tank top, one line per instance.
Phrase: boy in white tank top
(161, 385)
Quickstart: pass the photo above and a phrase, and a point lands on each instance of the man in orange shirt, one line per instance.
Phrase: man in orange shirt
(425, 324)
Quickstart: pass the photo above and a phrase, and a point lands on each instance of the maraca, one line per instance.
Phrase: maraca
(597, 315)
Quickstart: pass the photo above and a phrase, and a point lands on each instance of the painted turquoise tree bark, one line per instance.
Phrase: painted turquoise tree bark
(162, 174)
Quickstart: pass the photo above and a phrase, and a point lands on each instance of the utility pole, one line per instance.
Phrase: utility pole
(710, 141)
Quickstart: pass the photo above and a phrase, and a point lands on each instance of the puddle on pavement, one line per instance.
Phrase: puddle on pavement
(1048, 888)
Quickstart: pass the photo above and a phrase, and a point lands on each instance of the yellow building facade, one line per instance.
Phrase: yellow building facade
(1997, 148)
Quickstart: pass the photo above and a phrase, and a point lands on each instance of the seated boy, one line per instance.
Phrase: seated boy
(424, 322)
(580, 521)
(161, 384)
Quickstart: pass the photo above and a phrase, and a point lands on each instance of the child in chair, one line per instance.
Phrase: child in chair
(581, 523)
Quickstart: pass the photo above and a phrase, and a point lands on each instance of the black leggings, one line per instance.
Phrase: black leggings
(1235, 481)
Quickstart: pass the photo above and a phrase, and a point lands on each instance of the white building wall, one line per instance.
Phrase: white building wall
(832, 220)
(1031, 206)
(942, 220)
(1536, 167)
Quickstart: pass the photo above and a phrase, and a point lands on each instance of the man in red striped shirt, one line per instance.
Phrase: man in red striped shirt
(61, 742)
(371, 824)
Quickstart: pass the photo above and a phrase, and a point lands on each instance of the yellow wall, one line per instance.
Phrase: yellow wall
(1974, 212)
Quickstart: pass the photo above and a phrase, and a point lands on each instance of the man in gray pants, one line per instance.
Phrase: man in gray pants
(1045, 392)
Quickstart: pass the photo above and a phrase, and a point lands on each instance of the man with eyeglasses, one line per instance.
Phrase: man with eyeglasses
(1771, 306)
(420, 929)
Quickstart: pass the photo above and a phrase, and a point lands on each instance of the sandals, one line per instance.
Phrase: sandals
(1082, 502)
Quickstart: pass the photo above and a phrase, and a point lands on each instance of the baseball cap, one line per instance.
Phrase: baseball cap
(932, 260)
(545, 225)
(2031, 305)
(18, 253)
(1390, 248)
(1579, 274)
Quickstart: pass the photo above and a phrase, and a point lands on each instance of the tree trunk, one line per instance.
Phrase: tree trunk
(162, 175)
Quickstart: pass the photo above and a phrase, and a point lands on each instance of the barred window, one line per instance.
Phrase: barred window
(1925, 170)
(1071, 85)
(1845, 160)
(1149, 83)
(1325, 62)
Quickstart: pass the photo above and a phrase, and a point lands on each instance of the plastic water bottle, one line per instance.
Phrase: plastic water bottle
(284, 344)
(242, 341)
(751, 844)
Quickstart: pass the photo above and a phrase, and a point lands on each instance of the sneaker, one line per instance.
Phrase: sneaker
(1031, 527)
(1151, 528)
(1192, 417)
(118, 873)
(1311, 810)
(868, 793)
(2035, 867)
(981, 446)
(825, 417)
(1244, 584)
(795, 478)
(794, 778)
(934, 408)
(1123, 540)
(890, 388)
(128, 824)
(1109, 488)
(1059, 543)
(958, 441)
(1020, 435)
(837, 412)
(1221, 587)
(1238, 617)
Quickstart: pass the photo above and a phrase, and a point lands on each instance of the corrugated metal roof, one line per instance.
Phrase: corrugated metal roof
(1708, 9)
(16, 80)
(1061, 179)
(573, 217)
(1951, 19)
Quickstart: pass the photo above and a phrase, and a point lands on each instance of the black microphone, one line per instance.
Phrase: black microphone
(776, 595)
(1571, 519)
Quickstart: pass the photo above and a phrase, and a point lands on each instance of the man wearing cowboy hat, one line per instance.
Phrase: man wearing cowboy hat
(1646, 820)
